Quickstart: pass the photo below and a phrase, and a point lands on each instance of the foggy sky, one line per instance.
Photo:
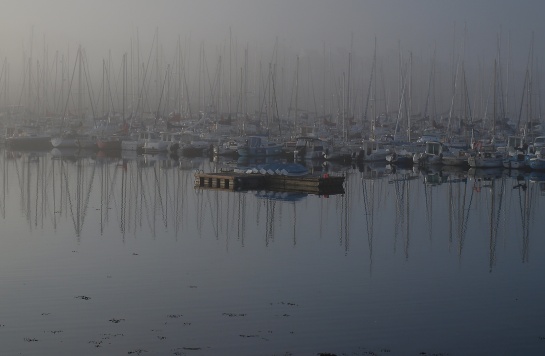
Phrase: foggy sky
(320, 32)
(101, 26)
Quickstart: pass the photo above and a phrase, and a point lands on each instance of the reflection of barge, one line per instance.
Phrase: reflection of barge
(317, 184)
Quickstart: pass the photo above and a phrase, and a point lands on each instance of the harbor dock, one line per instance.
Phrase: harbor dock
(232, 181)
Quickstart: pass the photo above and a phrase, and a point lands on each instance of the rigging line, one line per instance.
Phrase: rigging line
(397, 211)
(462, 195)
(143, 199)
(70, 85)
(89, 88)
(407, 240)
(141, 90)
(524, 218)
(158, 191)
(368, 225)
(69, 197)
(451, 212)
(428, 209)
(502, 189)
(89, 189)
(37, 196)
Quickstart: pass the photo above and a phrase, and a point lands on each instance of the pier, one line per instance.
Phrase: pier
(232, 181)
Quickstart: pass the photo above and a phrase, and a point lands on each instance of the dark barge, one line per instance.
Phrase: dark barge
(233, 181)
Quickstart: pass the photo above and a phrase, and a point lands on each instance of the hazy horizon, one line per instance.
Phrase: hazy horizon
(476, 33)
(303, 25)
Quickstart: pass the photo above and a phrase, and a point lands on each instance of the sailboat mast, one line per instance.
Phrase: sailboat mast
(410, 97)
(374, 90)
(124, 85)
(296, 95)
(494, 103)
(344, 108)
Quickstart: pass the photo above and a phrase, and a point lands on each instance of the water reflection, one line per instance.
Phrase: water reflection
(155, 195)
(401, 250)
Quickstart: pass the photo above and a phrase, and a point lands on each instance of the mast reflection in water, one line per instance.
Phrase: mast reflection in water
(114, 255)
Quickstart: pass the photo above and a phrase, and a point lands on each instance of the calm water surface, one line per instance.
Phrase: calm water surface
(109, 256)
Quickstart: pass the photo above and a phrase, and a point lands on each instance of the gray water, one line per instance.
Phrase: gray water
(110, 256)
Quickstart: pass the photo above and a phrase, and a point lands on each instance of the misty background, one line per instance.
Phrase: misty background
(422, 57)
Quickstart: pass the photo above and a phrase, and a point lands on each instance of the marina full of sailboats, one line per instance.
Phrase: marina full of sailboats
(295, 109)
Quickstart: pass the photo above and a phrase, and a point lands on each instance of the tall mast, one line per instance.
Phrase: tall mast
(374, 89)
(124, 84)
(296, 94)
(230, 60)
(494, 105)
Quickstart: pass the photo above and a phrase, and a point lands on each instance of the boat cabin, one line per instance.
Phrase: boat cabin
(434, 148)
(310, 147)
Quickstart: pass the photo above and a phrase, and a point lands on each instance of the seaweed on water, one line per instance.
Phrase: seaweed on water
(174, 316)
(182, 350)
(109, 336)
(231, 315)
(96, 343)
(242, 335)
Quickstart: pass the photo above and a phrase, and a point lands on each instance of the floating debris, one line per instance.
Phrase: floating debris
(109, 336)
(54, 331)
(27, 339)
(289, 304)
(232, 315)
(174, 316)
(242, 335)
(45, 314)
(137, 352)
(82, 297)
(283, 315)
(286, 303)
(96, 343)
(116, 321)
(180, 351)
